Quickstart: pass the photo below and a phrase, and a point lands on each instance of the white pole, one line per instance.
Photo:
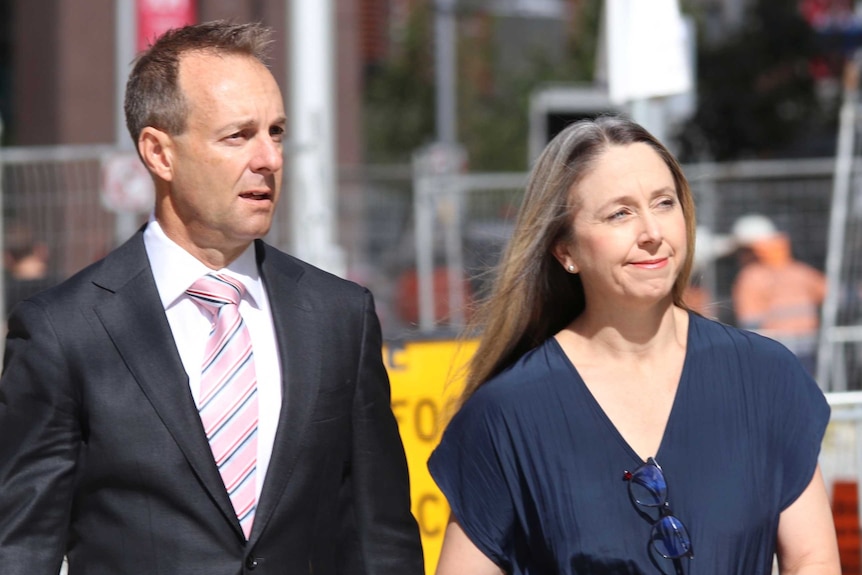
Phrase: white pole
(312, 112)
(445, 71)
(125, 35)
(424, 209)
(449, 198)
(837, 221)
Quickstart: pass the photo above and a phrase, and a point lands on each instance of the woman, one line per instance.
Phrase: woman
(604, 428)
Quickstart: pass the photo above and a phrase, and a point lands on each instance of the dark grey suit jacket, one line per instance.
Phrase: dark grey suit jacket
(103, 457)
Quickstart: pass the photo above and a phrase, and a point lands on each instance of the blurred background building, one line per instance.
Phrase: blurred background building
(757, 130)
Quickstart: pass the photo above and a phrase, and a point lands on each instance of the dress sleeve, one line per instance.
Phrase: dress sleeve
(800, 418)
(475, 467)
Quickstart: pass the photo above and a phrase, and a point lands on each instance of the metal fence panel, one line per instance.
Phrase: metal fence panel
(54, 193)
(795, 194)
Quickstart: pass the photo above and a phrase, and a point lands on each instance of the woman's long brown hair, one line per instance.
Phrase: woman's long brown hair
(533, 297)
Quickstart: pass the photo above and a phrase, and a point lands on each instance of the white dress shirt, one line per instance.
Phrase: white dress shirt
(174, 270)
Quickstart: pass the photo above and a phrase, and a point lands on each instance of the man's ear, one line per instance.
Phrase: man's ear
(156, 149)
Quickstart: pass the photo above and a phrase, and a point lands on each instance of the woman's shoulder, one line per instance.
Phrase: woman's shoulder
(514, 404)
(722, 338)
(722, 355)
(528, 378)
(533, 368)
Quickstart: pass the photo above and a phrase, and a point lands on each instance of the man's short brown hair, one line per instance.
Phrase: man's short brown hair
(153, 95)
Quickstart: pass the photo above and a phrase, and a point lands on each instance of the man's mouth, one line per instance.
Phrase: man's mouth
(256, 195)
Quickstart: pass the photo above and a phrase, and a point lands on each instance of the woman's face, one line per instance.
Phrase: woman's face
(628, 240)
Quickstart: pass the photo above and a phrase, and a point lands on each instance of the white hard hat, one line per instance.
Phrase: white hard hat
(752, 228)
(710, 246)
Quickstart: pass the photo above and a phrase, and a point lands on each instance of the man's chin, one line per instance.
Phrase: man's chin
(256, 226)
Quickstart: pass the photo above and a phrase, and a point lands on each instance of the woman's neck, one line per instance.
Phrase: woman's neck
(626, 332)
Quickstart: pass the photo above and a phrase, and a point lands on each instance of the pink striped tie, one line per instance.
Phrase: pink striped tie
(228, 394)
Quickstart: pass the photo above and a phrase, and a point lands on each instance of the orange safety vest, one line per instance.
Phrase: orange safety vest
(780, 296)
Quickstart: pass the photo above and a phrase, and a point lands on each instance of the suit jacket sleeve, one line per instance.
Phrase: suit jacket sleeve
(40, 437)
(379, 533)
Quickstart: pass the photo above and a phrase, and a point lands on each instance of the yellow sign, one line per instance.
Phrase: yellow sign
(426, 379)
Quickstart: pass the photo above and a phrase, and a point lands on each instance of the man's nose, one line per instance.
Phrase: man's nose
(268, 155)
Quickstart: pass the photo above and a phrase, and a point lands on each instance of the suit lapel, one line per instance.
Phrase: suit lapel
(299, 343)
(133, 315)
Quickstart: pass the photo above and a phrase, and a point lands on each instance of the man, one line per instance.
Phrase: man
(26, 264)
(109, 450)
(775, 294)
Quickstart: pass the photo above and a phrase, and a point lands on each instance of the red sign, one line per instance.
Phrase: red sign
(126, 184)
(156, 17)
(821, 13)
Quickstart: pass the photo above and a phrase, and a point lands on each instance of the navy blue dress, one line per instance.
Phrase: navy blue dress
(533, 468)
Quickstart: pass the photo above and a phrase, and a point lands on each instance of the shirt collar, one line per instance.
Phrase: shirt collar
(175, 269)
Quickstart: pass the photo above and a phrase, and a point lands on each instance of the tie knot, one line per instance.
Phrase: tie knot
(213, 291)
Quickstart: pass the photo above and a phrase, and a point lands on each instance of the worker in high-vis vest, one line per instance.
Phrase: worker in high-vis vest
(775, 294)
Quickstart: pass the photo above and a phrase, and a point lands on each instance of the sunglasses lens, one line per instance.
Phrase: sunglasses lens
(648, 487)
(670, 538)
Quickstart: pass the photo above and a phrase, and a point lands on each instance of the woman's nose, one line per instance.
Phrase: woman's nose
(650, 230)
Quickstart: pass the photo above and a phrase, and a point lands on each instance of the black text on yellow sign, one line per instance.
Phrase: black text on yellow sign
(425, 381)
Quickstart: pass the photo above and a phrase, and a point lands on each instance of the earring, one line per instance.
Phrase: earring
(571, 269)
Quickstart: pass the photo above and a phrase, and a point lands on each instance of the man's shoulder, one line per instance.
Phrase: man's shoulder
(807, 271)
(273, 260)
(754, 271)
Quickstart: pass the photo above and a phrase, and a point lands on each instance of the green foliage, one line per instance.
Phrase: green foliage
(399, 102)
(399, 97)
(494, 127)
(756, 95)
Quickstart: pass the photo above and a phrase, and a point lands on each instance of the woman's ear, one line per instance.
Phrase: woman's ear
(561, 253)
(156, 150)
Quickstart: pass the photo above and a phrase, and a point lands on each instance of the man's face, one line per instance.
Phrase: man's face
(226, 167)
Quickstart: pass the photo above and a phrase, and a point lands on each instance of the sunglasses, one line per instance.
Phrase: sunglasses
(648, 487)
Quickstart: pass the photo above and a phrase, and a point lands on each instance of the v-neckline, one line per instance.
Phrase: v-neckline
(597, 407)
